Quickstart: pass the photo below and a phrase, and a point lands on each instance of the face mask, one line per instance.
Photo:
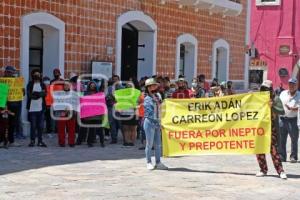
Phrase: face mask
(36, 77)
(47, 82)
(56, 76)
(194, 85)
(172, 90)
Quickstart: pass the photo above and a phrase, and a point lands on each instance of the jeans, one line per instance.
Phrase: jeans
(153, 135)
(14, 121)
(114, 123)
(288, 126)
(36, 124)
(141, 130)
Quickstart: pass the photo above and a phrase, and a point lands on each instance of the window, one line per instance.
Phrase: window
(268, 2)
(36, 49)
(182, 60)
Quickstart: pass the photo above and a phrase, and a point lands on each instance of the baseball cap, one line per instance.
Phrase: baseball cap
(293, 80)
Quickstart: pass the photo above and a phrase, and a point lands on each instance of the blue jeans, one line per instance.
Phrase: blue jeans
(153, 135)
(114, 123)
(36, 124)
(288, 126)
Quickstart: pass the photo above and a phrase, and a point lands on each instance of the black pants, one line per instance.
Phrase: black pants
(89, 133)
(14, 120)
(48, 120)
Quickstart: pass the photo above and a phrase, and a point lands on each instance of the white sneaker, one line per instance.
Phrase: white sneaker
(150, 166)
(261, 174)
(282, 175)
(161, 166)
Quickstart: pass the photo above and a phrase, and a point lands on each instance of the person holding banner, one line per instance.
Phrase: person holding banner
(90, 124)
(15, 106)
(36, 93)
(276, 109)
(67, 119)
(152, 124)
(129, 119)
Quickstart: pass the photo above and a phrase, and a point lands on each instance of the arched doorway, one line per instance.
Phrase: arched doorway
(42, 45)
(136, 45)
(221, 52)
(186, 56)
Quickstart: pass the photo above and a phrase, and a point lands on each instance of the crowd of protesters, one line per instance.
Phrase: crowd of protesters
(141, 123)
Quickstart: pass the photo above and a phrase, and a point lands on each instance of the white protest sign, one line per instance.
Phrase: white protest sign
(65, 101)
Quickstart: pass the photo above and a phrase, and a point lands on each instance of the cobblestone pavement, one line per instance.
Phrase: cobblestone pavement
(115, 172)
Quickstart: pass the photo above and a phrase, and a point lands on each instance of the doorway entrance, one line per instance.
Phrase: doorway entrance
(135, 46)
(129, 52)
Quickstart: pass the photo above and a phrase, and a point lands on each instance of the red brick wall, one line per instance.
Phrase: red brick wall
(91, 27)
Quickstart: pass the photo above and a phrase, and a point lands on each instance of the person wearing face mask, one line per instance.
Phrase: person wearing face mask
(152, 104)
(92, 122)
(36, 92)
(67, 119)
(15, 107)
(181, 92)
(195, 87)
(57, 77)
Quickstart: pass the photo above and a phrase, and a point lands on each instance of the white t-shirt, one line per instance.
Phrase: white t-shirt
(291, 101)
(36, 105)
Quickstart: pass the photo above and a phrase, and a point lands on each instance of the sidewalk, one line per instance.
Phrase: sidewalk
(115, 172)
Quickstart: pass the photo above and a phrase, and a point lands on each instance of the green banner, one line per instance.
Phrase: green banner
(127, 98)
(4, 88)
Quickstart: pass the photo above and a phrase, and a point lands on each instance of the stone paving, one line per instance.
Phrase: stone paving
(120, 173)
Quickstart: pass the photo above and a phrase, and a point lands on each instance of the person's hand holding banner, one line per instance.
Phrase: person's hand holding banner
(238, 124)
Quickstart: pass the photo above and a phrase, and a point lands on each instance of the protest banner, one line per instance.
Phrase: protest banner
(93, 105)
(238, 124)
(16, 86)
(65, 101)
(4, 88)
(127, 98)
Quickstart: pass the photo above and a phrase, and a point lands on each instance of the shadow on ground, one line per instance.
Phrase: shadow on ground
(293, 176)
(16, 159)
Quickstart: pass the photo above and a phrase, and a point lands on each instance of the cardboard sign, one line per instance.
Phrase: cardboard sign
(4, 88)
(16, 86)
(93, 105)
(65, 101)
(127, 98)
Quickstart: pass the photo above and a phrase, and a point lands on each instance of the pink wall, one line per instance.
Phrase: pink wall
(272, 26)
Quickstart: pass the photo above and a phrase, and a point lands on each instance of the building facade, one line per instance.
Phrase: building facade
(275, 45)
(139, 37)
